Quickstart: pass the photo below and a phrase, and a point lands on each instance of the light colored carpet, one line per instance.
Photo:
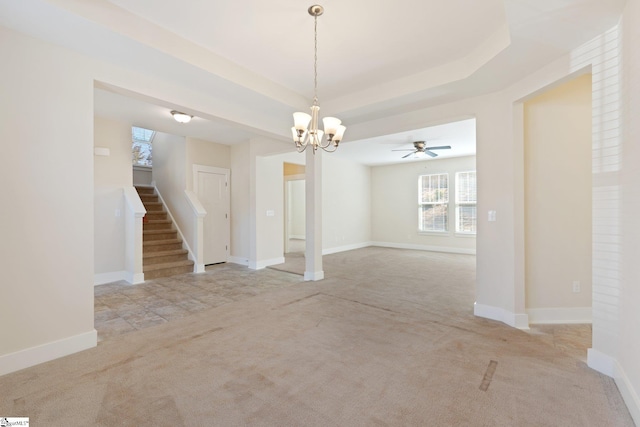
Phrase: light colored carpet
(388, 338)
(293, 263)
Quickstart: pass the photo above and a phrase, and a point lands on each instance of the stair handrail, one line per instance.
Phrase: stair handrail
(134, 212)
(199, 213)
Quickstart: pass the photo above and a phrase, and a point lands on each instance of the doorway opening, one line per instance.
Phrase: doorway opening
(295, 211)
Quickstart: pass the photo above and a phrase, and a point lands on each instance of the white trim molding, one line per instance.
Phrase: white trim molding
(239, 260)
(629, 395)
(259, 265)
(515, 320)
(110, 277)
(463, 251)
(601, 362)
(345, 248)
(559, 315)
(313, 276)
(609, 366)
(28, 357)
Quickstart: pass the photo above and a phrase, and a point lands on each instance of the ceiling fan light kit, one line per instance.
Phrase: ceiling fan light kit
(305, 130)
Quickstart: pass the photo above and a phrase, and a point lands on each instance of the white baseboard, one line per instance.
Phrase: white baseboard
(313, 276)
(259, 265)
(559, 315)
(22, 359)
(519, 321)
(629, 394)
(601, 362)
(198, 268)
(424, 248)
(134, 278)
(114, 276)
(239, 260)
(345, 248)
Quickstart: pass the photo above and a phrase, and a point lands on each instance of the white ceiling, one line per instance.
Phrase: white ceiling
(376, 59)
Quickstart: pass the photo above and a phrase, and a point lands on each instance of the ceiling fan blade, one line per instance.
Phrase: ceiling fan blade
(405, 149)
(404, 157)
(430, 153)
(440, 147)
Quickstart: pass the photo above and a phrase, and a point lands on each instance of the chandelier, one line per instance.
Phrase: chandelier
(305, 130)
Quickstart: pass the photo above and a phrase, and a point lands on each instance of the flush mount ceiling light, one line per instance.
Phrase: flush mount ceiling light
(305, 130)
(181, 117)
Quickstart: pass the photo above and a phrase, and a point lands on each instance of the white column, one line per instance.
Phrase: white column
(313, 205)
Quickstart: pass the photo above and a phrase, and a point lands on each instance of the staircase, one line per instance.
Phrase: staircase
(162, 252)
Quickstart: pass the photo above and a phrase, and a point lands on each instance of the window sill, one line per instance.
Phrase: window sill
(434, 233)
(465, 235)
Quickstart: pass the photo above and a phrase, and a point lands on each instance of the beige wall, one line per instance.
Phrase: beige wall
(240, 206)
(111, 174)
(394, 208)
(346, 204)
(557, 137)
(293, 169)
(46, 171)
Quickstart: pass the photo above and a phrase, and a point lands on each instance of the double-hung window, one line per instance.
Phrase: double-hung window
(466, 198)
(433, 202)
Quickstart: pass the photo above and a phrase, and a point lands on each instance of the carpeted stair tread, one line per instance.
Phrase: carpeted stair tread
(161, 242)
(153, 206)
(158, 221)
(152, 267)
(144, 189)
(161, 257)
(163, 254)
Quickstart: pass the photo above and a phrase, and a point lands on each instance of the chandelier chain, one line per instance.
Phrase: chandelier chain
(315, 60)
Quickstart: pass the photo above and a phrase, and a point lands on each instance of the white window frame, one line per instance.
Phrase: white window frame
(444, 202)
(470, 200)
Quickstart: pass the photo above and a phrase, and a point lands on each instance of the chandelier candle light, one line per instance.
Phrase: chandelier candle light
(305, 130)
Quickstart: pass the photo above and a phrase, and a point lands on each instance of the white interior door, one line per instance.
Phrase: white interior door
(212, 187)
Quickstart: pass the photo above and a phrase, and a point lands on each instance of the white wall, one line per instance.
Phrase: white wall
(269, 211)
(142, 175)
(240, 206)
(346, 204)
(628, 368)
(557, 137)
(170, 175)
(46, 169)
(296, 207)
(205, 153)
(111, 174)
(394, 207)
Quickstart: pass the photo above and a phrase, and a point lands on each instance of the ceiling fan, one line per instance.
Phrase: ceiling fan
(420, 147)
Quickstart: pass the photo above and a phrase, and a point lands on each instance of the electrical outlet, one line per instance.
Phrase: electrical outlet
(576, 286)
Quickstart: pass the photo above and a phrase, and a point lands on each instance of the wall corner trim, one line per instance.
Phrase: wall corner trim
(629, 395)
(601, 362)
(313, 276)
(32, 356)
(259, 265)
(515, 320)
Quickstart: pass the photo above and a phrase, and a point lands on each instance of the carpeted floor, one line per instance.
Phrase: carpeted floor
(388, 339)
